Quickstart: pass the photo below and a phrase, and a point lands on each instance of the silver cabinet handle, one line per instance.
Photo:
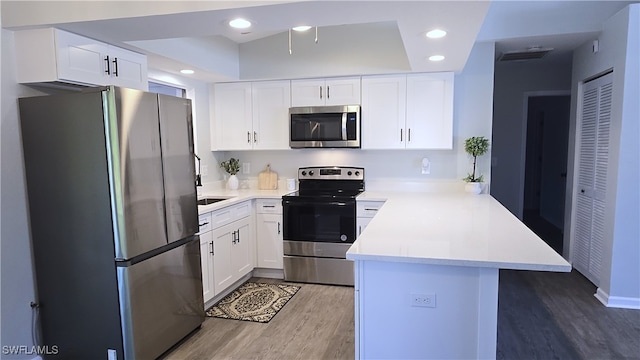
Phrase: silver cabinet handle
(203, 224)
(238, 235)
(268, 206)
(115, 63)
(400, 135)
(233, 237)
(255, 136)
(278, 227)
(248, 137)
(320, 91)
(108, 70)
(359, 229)
(211, 244)
(328, 91)
(371, 209)
(409, 135)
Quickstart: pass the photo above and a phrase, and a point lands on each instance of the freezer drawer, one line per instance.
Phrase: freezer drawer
(160, 300)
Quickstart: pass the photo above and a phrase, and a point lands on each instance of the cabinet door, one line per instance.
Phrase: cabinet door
(362, 223)
(206, 259)
(342, 91)
(430, 111)
(223, 273)
(127, 68)
(233, 117)
(308, 92)
(383, 112)
(271, 101)
(269, 241)
(242, 249)
(81, 59)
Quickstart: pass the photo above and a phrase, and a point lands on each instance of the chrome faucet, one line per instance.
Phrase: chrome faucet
(199, 174)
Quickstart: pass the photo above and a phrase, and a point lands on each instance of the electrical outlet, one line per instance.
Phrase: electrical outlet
(112, 354)
(246, 168)
(423, 300)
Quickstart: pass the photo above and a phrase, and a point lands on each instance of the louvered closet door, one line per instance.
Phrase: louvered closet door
(592, 177)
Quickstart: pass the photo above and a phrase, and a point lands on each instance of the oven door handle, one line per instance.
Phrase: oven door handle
(317, 203)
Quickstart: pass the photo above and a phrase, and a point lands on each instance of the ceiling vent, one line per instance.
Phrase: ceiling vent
(528, 54)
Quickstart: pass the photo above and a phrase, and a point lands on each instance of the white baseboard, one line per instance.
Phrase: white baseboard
(617, 301)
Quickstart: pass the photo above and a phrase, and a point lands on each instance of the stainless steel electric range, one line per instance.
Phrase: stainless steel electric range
(319, 225)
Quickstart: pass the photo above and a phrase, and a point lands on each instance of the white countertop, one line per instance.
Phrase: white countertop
(237, 196)
(451, 229)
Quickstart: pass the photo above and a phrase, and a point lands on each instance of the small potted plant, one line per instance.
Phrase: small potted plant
(231, 166)
(475, 146)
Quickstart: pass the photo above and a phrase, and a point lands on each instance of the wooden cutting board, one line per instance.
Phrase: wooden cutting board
(268, 180)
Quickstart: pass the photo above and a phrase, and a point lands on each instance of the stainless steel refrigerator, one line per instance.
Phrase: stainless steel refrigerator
(112, 207)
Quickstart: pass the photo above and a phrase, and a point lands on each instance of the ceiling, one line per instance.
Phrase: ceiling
(195, 34)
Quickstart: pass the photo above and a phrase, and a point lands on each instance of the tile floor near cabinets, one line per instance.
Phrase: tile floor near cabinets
(317, 323)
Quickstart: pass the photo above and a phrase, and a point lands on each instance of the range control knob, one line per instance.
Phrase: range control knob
(311, 173)
(357, 173)
(304, 173)
(349, 173)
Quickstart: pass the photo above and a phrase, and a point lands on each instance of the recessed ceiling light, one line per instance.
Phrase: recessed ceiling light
(187, 71)
(239, 23)
(436, 34)
(301, 28)
(436, 58)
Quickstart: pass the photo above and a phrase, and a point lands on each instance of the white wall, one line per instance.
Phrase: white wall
(472, 114)
(357, 51)
(16, 269)
(513, 81)
(619, 50)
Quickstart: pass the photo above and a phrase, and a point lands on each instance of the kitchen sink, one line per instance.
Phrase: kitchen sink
(210, 200)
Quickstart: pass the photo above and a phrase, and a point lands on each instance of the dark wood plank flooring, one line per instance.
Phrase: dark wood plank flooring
(545, 315)
(541, 315)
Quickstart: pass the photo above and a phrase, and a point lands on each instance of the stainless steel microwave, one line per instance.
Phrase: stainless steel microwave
(324, 126)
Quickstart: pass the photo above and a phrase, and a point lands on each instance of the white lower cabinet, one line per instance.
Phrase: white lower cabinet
(226, 247)
(365, 211)
(269, 251)
(206, 255)
(232, 259)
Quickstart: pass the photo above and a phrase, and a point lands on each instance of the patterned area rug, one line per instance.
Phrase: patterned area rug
(254, 302)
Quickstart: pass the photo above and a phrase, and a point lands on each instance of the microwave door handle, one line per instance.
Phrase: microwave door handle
(344, 126)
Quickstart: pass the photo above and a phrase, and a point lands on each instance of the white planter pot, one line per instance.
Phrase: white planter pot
(473, 188)
(232, 182)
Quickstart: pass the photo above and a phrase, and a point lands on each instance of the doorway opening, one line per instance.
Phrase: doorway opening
(547, 139)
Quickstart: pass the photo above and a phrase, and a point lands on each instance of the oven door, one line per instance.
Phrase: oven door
(320, 221)
(317, 235)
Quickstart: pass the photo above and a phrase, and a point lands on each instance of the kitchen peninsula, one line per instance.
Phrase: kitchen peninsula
(426, 274)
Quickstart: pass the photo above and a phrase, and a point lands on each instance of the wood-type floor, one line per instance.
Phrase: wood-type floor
(541, 315)
(317, 323)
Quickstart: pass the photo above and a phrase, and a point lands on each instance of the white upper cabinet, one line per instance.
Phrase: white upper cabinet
(413, 111)
(430, 111)
(233, 117)
(330, 91)
(271, 101)
(383, 111)
(251, 115)
(52, 55)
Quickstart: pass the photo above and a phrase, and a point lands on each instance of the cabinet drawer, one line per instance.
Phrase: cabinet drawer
(229, 214)
(269, 206)
(204, 221)
(368, 208)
